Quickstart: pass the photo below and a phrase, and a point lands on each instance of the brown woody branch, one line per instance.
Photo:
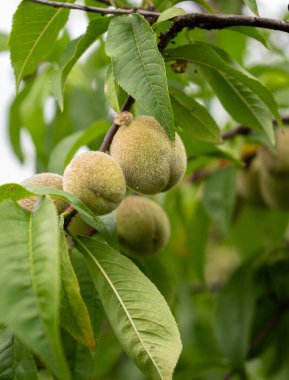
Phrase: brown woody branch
(102, 11)
(113, 129)
(191, 20)
(199, 175)
(68, 215)
(220, 21)
(240, 130)
(243, 130)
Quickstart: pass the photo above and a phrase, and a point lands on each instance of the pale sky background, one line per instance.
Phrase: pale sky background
(11, 170)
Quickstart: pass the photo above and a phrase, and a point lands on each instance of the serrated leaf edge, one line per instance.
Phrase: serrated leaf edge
(216, 135)
(121, 303)
(32, 48)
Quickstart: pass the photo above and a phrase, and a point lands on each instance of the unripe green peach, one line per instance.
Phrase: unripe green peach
(150, 161)
(97, 180)
(277, 163)
(143, 227)
(77, 226)
(275, 189)
(248, 184)
(52, 180)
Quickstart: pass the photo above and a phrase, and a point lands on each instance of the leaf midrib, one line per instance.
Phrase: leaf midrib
(35, 44)
(121, 303)
(223, 74)
(33, 281)
(241, 97)
(78, 324)
(197, 118)
(147, 75)
(227, 72)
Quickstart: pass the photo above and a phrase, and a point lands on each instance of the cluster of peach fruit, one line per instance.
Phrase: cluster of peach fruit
(141, 157)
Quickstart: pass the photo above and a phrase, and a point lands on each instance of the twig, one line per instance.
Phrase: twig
(243, 130)
(203, 21)
(199, 176)
(113, 129)
(102, 11)
(268, 327)
(191, 20)
(68, 215)
(220, 21)
(240, 130)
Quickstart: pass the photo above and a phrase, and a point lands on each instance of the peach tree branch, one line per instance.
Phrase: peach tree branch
(113, 129)
(191, 20)
(220, 21)
(102, 11)
(244, 130)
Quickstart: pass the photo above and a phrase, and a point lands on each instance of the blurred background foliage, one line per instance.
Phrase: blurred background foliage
(225, 271)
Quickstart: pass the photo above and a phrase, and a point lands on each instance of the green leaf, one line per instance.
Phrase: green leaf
(232, 44)
(219, 197)
(194, 118)
(197, 240)
(251, 32)
(139, 67)
(170, 13)
(31, 111)
(110, 89)
(95, 3)
(66, 148)
(30, 275)
(15, 122)
(204, 4)
(242, 104)
(160, 4)
(254, 98)
(258, 229)
(73, 52)
(136, 310)
(103, 224)
(16, 362)
(34, 31)
(14, 192)
(276, 76)
(74, 314)
(156, 270)
(88, 291)
(252, 4)
(234, 315)
(196, 149)
(108, 355)
(3, 42)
